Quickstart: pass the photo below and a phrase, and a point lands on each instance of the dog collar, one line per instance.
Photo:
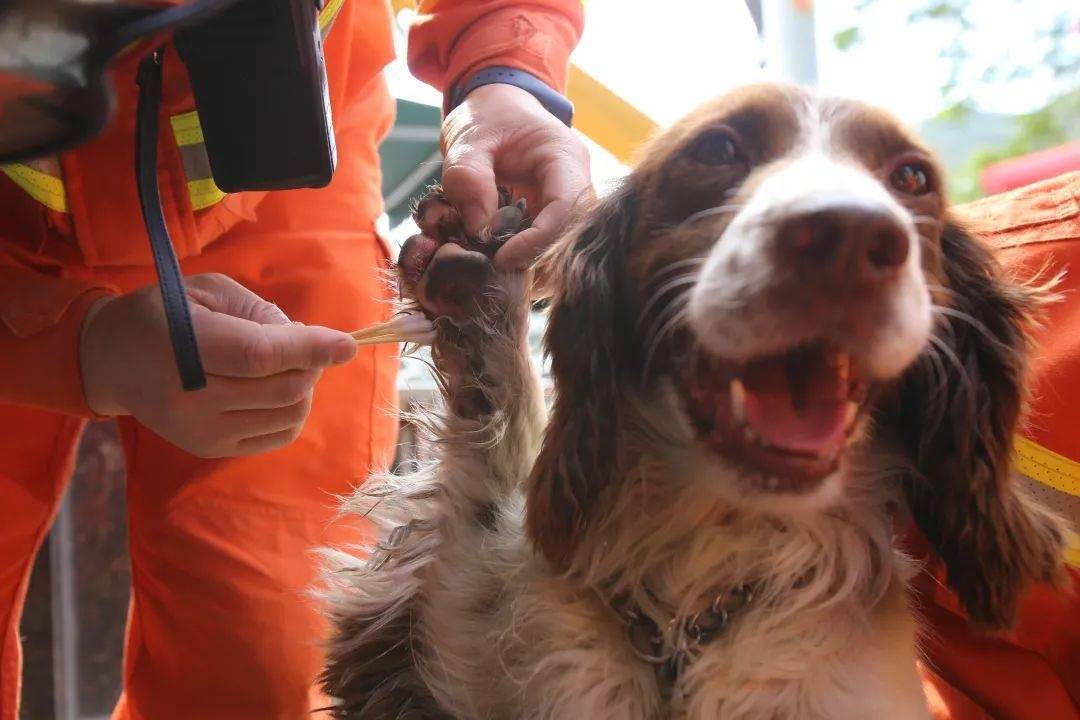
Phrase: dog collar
(670, 652)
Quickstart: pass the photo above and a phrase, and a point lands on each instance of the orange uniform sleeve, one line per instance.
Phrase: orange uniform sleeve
(41, 319)
(454, 38)
(1031, 672)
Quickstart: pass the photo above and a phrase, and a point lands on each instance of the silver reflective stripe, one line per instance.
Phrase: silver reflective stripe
(1062, 503)
(202, 189)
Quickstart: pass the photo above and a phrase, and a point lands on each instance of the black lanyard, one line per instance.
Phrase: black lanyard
(170, 281)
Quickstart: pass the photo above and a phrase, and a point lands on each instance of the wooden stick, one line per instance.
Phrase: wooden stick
(380, 340)
(402, 328)
(375, 334)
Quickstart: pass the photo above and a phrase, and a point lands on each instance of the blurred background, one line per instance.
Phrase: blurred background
(992, 85)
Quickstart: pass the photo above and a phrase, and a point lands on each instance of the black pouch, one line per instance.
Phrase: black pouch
(259, 79)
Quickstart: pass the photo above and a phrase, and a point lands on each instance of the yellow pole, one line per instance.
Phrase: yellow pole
(607, 119)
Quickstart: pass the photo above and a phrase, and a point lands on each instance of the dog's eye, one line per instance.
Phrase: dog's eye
(911, 179)
(716, 148)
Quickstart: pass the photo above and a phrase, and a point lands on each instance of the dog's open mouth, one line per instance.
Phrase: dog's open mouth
(789, 416)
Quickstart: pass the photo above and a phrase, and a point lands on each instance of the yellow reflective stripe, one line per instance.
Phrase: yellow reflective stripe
(1046, 466)
(1072, 551)
(204, 193)
(614, 124)
(1055, 471)
(328, 14)
(202, 189)
(46, 189)
(186, 128)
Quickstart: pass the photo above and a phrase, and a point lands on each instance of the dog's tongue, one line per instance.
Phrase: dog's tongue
(797, 402)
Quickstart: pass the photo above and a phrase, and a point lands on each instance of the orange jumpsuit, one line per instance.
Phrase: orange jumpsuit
(219, 623)
(1032, 673)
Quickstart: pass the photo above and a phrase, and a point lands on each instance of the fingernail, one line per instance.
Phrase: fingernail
(342, 352)
(475, 219)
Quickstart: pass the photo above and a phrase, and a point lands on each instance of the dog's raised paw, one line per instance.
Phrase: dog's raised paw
(444, 269)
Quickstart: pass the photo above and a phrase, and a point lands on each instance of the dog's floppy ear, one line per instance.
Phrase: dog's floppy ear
(956, 413)
(586, 341)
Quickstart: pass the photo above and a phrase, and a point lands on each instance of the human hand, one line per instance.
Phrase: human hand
(261, 368)
(502, 135)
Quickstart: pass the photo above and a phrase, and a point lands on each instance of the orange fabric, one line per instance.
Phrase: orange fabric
(220, 625)
(35, 463)
(452, 38)
(1033, 671)
(41, 310)
(1034, 227)
(104, 228)
(944, 701)
(60, 260)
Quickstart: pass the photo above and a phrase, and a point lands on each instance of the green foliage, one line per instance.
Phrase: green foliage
(1056, 123)
(957, 112)
(938, 11)
(1045, 128)
(846, 38)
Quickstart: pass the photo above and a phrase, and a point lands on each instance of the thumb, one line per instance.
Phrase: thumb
(468, 181)
(309, 346)
(222, 294)
(237, 347)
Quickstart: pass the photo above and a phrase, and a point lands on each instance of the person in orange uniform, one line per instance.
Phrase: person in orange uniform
(230, 487)
(1033, 672)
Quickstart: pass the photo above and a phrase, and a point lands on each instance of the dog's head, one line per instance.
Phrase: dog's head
(778, 283)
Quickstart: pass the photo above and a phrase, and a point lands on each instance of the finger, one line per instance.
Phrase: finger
(276, 391)
(241, 348)
(468, 182)
(266, 443)
(564, 182)
(242, 424)
(224, 295)
(542, 279)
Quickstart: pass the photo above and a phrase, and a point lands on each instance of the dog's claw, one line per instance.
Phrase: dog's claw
(416, 253)
(437, 218)
(508, 221)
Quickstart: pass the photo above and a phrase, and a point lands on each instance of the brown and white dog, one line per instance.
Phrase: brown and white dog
(770, 347)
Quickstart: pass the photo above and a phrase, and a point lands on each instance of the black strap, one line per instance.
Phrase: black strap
(171, 282)
(555, 103)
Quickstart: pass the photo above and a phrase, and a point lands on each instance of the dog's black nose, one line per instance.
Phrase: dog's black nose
(849, 242)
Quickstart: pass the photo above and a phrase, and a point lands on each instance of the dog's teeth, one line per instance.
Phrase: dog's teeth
(829, 454)
(851, 409)
(738, 400)
(753, 437)
(843, 366)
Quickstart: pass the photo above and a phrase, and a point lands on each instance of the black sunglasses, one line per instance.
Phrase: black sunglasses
(54, 91)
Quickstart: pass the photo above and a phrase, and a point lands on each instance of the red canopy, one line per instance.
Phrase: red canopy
(1026, 169)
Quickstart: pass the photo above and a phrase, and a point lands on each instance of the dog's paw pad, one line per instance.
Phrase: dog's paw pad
(454, 282)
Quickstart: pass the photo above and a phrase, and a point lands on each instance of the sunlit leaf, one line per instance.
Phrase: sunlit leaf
(957, 112)
(846, 38)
